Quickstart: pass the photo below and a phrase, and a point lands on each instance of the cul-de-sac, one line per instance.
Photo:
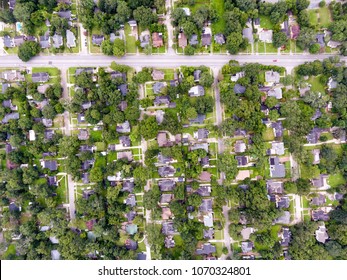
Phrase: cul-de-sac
(173, 130)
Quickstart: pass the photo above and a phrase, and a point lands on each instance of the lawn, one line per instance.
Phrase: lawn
(316, 84)
(169, 74)
(219, 26)
(265, 22)
(324, 17)
(268, 134)
(62, 189)
(50, 70)
(313, 17)
(129, 39)
(270, 48)
(336, 180)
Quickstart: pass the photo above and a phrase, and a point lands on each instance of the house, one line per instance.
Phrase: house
(278, 129)
(158, 75)
(141, 256)
(168, 228)
(239, 75)
(11, 4)
(182, 40)
(198, 120)
(81, 70)
(321, 234)
(10, 116)
(123, 128)
(285, 28)
(169, 242)
(45, 41)
(246, 246)
(332, 84)
(274, 187)
(158, 87)
(277, 148)
(166, 185)
(196, 91)
(318, 200)
(275, 92)
(277, 169)
(83, 134)
(166, 213)
(198, 146)
(132, 24)
(219, 39)
(97, 39)
(256, 23)
(294, 31)
(145, 38)
(206, 39)
(208, 233)
(123, 88)
(131, 245)
(186, 11)
(246, 232)
(50, 164)
(313, 136)
(130, 200)
(118, 75)
(206, 249)
(166, 171)
(240, 146)
(87, 164)
(57, 41)
(239, 89)
(49, 133)
(157, 40)
(166, 198)
(281, 201)
(319, 215)
(241, 160)
(12, 76)
(247, 33)
(42, 88)
(70, 39)
(320, 40)
(85, 178)
(316, 157)
(204, 190)
(159, 116)
(197, 75)
(128, 186)
(334, 44)
(201, 134)
(18, 40)
(161, 100)
(8, 104)
(123, 105)
(193, 41)
(126, 155)
(5, 86)
(284, 219)
(47, 122)
(41, 77)
(162, 139)
(8, 42)
(272, 77)
(266, 36)
(206, 206)
(285, 236)
(205, 176)
(131, 229)
(55, 255)
(208, 220)
(164, 159)
(65, 14)
(125, 141)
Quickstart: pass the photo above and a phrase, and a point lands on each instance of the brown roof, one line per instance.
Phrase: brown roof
(295, 30)
(158, 75)
(182, 40)
(162, 140)
(157, 39)
(205, 176)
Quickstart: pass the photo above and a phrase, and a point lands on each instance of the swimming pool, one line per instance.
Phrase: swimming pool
(18, 26)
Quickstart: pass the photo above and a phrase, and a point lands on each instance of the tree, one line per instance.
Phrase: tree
(23, 11)
(178, 16)
(206, 79)
(107, 47)
(123, 11)
(191, 113)
(279, 39)
(302, 4)
(228, 164)
(322, 4)
(305, 38)
(149, 128)
(49, 112)
(314, 48)
(290, 187)
(271, 102)
(144, 16)
(118, 47)
(303, 186)
(28, 50)
(96, 174)
(189, 50)
(234, 41)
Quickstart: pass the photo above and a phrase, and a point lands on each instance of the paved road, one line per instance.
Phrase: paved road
(168, 60)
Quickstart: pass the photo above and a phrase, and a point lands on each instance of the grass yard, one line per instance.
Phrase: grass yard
(268, 134)
(316, 84)
(336, 180)
(270, 48)
(265, 22)
(130, 40)
(324, 17)
(62, 189)
(50, 70)
(313, 17)
(261, 47)
(219, 26)
(169, 74)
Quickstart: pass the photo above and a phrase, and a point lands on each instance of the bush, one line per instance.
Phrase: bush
(322, 4)
(323, 138)
(314, 48)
